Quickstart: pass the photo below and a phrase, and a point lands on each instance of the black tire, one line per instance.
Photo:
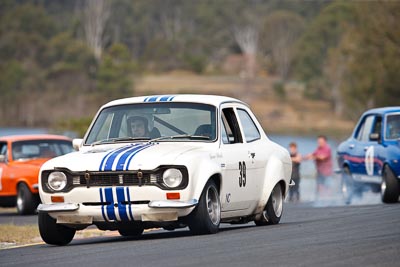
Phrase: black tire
(26, 201)
(206, 217)
(135, 229)
(389, 186)
(347, 185)
(273, 209)
(350, 188)
(53, 233)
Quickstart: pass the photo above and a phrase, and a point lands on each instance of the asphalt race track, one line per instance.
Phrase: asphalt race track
(307, 236)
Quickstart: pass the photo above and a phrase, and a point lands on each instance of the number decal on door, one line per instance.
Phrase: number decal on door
(369, 161)
(242, 173)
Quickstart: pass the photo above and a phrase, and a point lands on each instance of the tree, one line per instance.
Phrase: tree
(95, 17)
(115, 75)
(247, 38)
(335, 70)
(373, 78)
(281, 31)
(324, 33)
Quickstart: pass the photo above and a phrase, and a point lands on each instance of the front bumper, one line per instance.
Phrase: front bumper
(159, 211)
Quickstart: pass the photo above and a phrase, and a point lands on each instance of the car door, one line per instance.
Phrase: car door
(363, 160)
(256, 153)
(235, 162)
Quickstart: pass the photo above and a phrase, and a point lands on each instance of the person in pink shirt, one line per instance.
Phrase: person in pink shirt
(323, 161)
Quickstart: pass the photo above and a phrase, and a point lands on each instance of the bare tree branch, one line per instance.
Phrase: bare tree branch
(96, 14)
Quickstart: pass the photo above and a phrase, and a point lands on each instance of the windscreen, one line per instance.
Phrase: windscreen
(146, 121)
(32, 149)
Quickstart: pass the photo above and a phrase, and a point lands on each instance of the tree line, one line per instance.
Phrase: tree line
(59, 60)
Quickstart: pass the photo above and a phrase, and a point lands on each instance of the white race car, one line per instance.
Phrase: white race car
(167, 161)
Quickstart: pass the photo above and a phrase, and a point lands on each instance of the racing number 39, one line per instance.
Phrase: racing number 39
(242, 173)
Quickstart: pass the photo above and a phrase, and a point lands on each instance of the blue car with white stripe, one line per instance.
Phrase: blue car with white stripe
(167, 161)
(370, 158)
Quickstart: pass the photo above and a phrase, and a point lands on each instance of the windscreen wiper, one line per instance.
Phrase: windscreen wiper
(181, 136)
(119, 139)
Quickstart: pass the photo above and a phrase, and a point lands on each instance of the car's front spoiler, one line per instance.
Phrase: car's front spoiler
(57, 207)
(173, 204)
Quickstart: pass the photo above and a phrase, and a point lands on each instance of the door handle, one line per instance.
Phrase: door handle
(252, 154)
(366, 148)
(351, 146)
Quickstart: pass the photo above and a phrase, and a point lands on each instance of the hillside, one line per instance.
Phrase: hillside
(280, 115)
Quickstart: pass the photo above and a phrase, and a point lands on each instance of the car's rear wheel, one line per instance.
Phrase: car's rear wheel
(389, 186)
(206, 217)
(53, 233)
(26, 201)
(273, 210)
(135, 229)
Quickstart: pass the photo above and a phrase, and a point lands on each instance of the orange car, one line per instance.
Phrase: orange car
(20, 160)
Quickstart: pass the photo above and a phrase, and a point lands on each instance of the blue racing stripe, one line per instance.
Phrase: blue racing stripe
(171, 98)
(110, 207)
(110, 161)
(122, 159)
(165, 98)
(152, 99)
(102, 206)
(121, 207)
(129, 201)
(134, 153)
(108, 155)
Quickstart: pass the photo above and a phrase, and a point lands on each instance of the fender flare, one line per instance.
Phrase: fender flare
(274, 174)
(203, 171)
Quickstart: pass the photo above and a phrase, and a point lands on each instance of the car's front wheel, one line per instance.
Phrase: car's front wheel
(273, 210)
(347, 185)
(53, 233)
(26, 201)
(206, 217)
(389, 186)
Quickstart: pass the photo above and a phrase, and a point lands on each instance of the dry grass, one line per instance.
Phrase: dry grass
(18, 235)
(13, 235)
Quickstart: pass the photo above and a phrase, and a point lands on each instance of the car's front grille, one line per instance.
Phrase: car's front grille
(115, 179)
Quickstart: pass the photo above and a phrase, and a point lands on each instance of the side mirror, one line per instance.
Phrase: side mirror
(2, 158)
(374, 137)
(76, 143)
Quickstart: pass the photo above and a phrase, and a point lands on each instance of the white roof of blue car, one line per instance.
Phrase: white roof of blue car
(189, 98)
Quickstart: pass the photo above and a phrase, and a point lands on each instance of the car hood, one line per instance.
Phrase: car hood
(127, 157)
(29, 163)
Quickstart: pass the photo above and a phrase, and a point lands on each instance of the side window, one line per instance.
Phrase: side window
(3, 153)
(392, 127)
(377, 125)
(365, 129)
(231, 125)
(250, 130)
(3, 149)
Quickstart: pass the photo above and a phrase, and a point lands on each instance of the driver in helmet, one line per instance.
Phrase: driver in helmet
(138, 126)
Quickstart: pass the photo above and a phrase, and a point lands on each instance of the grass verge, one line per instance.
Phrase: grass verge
(15, 235)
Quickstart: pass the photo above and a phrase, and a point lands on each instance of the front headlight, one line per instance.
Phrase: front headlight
(172, 177)
(57, 181)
